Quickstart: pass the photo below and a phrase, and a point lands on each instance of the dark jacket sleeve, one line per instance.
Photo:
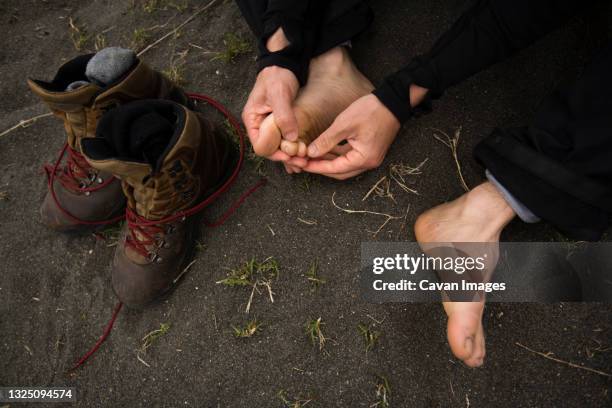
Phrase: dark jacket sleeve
(299, 20)
(489, 32)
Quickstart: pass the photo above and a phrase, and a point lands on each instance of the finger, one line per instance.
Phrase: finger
(252, 121)
(288, 168)
(292, 169)
(284, 116)
(298, 161)
(302, 149)
(327, 140)
(344, 176)
(302, 161)
(279, 156)
(349, 162)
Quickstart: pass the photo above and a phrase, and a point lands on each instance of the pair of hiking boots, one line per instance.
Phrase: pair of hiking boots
(135, 148)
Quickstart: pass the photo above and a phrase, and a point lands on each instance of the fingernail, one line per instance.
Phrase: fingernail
(312, 150)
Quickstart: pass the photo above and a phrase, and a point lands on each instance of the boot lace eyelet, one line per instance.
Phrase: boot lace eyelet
(161, 243)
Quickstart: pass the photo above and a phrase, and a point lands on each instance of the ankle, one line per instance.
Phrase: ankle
(334, 61)
(487, 205)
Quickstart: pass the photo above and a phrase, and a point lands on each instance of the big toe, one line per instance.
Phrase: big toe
(269, 138)
(465, 332)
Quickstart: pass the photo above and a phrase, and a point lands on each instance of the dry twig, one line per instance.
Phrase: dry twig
(307, 222)
(348, 211)
(567, 363)
(397, 173)
(25, 123)
(452, 143)
(177, 28)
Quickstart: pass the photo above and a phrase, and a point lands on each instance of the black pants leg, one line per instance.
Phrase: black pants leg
(341, 22)
(560, 167)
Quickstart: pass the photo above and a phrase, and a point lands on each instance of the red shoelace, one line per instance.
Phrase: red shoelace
(76, 175)
(140, 236)
(71, 176)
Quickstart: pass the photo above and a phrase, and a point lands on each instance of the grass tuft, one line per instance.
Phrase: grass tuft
(140, 38)
(175, 72)
(251, 271)
(152, 6)
(370, 337)
(78, 34)
(313, 276)
(99, 42)
(306, 181)
(292, 402)
(151, 337)
(253, 274)
(383, 391)
(314, 332)
(249, 330)
(111, 234)
(235, 45)
(200, 246)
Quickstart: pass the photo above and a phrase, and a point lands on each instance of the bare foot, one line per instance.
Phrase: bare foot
(477, 216)
(333, 84)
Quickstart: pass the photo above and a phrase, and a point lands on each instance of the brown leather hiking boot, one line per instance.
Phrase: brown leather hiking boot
(169, 158)
(82, 90)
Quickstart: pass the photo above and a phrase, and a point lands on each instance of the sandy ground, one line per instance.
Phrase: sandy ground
(55, 295)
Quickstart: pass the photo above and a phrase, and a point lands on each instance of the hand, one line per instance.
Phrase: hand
(274, 91)
(368, 127)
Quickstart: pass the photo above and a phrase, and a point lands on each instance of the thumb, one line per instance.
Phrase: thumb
(326, 141)
(285, 117)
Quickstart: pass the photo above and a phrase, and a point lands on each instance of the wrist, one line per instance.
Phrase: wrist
(417, 95)
(280, 76)
(277, 41)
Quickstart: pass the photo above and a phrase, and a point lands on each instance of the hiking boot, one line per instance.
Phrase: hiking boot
(169, 158)
(82, 90)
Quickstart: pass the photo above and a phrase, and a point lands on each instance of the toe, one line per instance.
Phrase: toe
(464, 331)
(291, 148)
(478, 354)
(269, 138)
(302, 149)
